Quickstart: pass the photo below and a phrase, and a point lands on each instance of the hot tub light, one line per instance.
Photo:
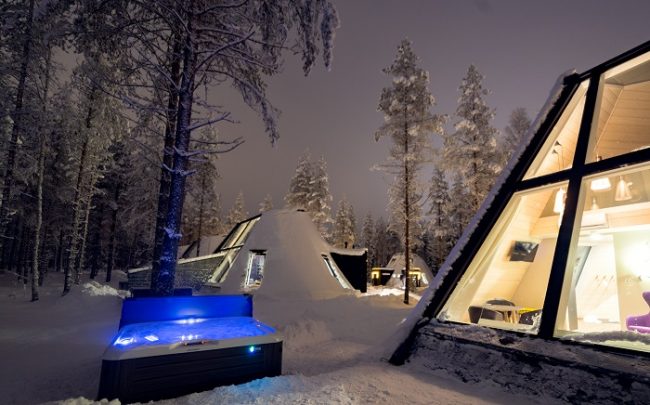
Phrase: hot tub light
(253, 349)
(190, 321)
(124, 341)
(151, 338)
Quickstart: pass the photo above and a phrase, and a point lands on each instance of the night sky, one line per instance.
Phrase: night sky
(521, 47)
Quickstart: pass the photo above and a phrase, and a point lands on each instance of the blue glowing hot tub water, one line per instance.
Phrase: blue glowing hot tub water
(209, 341)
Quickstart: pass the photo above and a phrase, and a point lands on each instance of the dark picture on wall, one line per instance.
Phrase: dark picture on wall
(523, 251)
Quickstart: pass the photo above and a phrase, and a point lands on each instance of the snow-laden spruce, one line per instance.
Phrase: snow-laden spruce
(408, 122)
(344, 225)
(471, 149)
(309, 191)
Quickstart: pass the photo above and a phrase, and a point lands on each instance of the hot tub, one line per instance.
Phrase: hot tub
(173, 346)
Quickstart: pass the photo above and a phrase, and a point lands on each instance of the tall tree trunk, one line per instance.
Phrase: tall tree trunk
(39, 185)
(74, 236)
(111, 243)
(80, 261)
(58, 260)
(163, 284)
(9, 248)
(407, 206)
(44, 266)
(96, 243)
(18, 118)
(22, 242)
(168, 158)
(73, 241)
(39, 218)
(201, 204)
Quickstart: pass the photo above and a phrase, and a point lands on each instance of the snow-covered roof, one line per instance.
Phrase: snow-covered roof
(294, 265)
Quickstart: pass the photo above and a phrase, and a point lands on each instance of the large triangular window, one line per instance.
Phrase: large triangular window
(568, 255)
(557, 152)
(505, 284)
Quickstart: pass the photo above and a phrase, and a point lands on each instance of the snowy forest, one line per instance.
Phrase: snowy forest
(110, 140)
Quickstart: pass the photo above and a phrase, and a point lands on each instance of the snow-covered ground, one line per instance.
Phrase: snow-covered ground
(334, 352)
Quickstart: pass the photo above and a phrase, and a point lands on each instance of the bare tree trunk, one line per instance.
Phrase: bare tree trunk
(168, 158)
(44, 265)
(74, 235)
(20, 269)
(81, 254)
(39, 219)
(111, 243)
(18, 124)
(39, 186)
(407, 206)
(163, 284)
(58, 260)
(201, 203)
(96, 244)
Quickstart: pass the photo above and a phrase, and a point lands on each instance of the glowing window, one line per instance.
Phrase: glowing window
(505, 284)
(255, 269)
(557, 152)
(621, 123)
(606, 291)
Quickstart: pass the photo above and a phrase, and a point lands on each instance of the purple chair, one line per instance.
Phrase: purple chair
(640, 323)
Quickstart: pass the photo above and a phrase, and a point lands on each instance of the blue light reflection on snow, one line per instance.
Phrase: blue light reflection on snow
(175, 332)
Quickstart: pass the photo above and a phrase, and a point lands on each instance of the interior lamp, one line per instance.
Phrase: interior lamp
(623, 192)
(602, 183)
(594, 204)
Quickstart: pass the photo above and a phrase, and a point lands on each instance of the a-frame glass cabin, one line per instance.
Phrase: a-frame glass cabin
(562, 250)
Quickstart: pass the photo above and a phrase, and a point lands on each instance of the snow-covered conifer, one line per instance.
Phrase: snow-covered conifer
(440, 227)
(460, 212)
(318, 204)
(517, 127)
(344, 225)
(300, 186)
(366, 240)
(471, 149)
(237, 213)
(266, 204)
(409, 123)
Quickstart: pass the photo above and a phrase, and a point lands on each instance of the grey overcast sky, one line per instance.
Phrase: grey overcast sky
(520, 46)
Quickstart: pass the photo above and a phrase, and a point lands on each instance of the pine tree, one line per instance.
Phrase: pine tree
(367, 241)
(300, 185)
(344, 225)
(408, 122)
(517, 127)
(266, 204)
(318, 204)
(202, 205)
(461, 213)
(380, 243)
(440, 226)
(471, 149)
(237, 213)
